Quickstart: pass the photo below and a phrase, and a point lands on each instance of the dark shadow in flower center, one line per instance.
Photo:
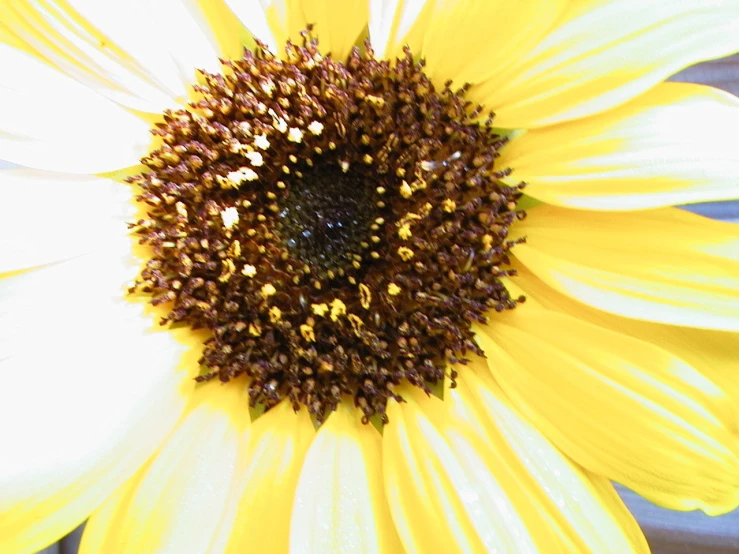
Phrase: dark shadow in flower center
(324, 220)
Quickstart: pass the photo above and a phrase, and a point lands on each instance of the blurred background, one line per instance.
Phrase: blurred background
(668, 532)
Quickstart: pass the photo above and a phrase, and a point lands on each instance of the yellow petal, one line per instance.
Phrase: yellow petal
(390, 22)
(48, 121)
(448, 491)
(177, 503)
(338, 23)
(258, 519)
(600, 55)
(470, 40)
(663, 265)
(583, 508)
(620, 407)
(713, 353)
(111, 386)
(274, 22)
(149, 69)
(677, 143)
(47, 217)
(340, 503)
(226, 29)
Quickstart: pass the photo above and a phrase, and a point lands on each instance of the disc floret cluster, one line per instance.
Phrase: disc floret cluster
(337, 226)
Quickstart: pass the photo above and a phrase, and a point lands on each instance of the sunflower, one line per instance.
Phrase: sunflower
(370, 276)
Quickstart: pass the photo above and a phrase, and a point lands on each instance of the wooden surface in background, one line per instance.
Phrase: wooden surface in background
(668, 532)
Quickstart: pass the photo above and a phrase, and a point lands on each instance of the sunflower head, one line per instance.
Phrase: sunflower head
(336, 225)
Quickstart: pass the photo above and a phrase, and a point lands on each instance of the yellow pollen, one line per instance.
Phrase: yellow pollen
(365, 296)
(255, 158)
(338, 308)
(255, 329)
(393, 289)
(319, 309)
(356, 323)
(344, 166)
(367, 159)
(261, 142)
(487, 242)
(375, 100)
(275, 314)
(405, 231)
(307, 332)
(316, 127)
(249, 270)
(405, 190)
(181, 209)
(230, 217)
(228, 270)
(295, 135)
(405, 253)
(448, 205)
(268, 290)
(234, 250)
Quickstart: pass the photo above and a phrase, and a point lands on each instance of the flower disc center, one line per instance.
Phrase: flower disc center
(337, 226)
(325, 218)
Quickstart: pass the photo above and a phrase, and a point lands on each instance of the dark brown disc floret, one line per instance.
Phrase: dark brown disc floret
(336, 226)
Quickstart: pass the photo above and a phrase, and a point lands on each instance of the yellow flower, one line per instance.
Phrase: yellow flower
(619, 365)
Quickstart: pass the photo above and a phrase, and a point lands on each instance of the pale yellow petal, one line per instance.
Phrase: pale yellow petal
(602, 53)
(576, 503)
(112, 385)
(620, 407)
(49, 121)
(65, 40)
(677, 143)
(274, 22)
(664, 265)
(258, 514)
(340, 503)
(177, 503)
(448, 491)
(225, 28)
(390, 21)
(47, 217)
(140, 54)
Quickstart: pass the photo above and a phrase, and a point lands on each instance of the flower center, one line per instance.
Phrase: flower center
(336, 226)
(325, 219)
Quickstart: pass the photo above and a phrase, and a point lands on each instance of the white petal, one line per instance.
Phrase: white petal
(49, 121)
(253, 14)
(70, 43)
(340, 504)
(177, 503)
(47, 217)
(156, 44)
(110, 388)
(389, 23)
(257, 516)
